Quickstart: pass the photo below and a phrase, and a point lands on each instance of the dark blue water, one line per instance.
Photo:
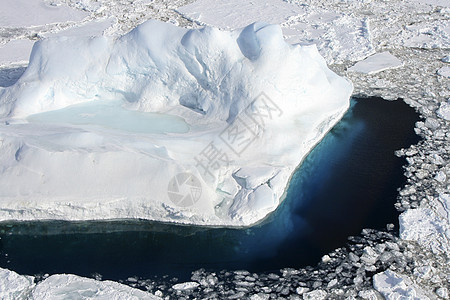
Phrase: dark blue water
(347, 183)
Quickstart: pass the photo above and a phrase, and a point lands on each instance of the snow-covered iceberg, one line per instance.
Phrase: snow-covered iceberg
(198, 126)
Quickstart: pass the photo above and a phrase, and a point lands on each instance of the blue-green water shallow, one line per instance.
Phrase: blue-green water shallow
(347, 183)
(110, 114)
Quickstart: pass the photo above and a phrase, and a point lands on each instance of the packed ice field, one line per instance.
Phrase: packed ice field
(392, 49)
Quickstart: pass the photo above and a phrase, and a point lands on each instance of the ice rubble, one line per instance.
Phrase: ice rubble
(339, 37)
(65, 286)
(254, 105)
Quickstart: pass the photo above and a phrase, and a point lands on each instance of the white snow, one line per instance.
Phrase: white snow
(15, 52)
(14, 286)
(444, 71)
(66, 286)
(23, 13)
(427, 35)
(339, 37)
(444, 110)
(394, 286)
(18, 51)
(344, 31)
(424, 226)
(92, 28)
(185, 286)
(125, 116)
(377, 63)
(444, 3)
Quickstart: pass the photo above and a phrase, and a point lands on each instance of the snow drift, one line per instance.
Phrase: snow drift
(249, 108)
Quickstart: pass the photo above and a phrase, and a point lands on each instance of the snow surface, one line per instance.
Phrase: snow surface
(444, 71)
(185, 286)
(339, 37)
(358, 28)
(377, 63)
(120, 161)
(92, 28)
(23, 13)
(394, 286)
(15, 52)
(14, 286)
(423, 225)
(444, 110)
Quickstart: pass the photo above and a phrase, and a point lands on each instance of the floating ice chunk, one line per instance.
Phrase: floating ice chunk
(443, 3)
(15, 52)
(376, 63)
(425, 227)
(444, 71)
(444, 111)
(76, 287)
(185, 286)
(395, 286)
(426, 35)
(440, 177)
(237, 14)
(23, 13)
(110, 114)
(14, 286)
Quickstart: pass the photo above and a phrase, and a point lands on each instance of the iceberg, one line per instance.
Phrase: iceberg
(193, 126)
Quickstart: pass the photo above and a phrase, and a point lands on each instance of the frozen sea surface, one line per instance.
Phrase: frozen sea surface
(417, 34)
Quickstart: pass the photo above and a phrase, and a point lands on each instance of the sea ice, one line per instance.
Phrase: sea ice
(427, 35)
(92, 28)
(444, 71)
(377, 63)
(65, 286)
(14, 286)
(215, 119)
(443, 3)
(395, 286)
(339, 37)
(15, 52)
(444, 110)
(23, 13)
(424, 226)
